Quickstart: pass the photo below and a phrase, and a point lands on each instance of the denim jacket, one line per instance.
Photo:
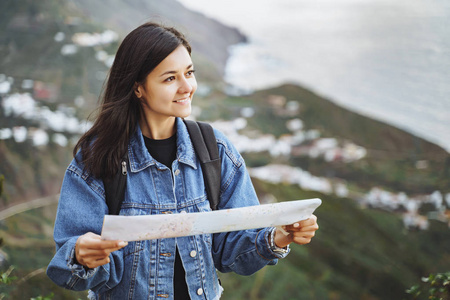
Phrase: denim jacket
(144, 269)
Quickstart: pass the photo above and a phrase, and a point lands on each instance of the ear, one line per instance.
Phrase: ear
(138, 90)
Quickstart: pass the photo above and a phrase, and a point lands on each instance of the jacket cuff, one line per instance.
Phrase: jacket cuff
(77, 269)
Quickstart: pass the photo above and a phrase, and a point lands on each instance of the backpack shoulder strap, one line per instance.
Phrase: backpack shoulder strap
(205, 146)
(115, 188)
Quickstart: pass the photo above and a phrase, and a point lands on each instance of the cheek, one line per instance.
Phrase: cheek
(163, 94)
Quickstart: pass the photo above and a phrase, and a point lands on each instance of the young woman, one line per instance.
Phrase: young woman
(149, 90)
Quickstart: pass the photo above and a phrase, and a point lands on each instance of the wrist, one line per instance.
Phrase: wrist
(278, 247)
(281, 239)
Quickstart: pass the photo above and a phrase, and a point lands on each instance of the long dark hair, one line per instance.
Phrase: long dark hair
(104, 145)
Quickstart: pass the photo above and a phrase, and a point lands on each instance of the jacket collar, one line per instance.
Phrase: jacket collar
(140, 158)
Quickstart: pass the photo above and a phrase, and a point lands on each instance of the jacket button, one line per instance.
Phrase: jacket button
(177, 172)
(200, 291)
(193, 253)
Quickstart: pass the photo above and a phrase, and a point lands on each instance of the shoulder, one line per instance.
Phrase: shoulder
(76, 168)
(227, 149)
(77, 179)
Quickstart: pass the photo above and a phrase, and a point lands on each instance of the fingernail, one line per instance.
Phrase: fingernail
(123, 244)
(296, 225)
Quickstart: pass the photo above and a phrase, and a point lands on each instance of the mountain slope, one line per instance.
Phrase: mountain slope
(31, 50)
(203, 32)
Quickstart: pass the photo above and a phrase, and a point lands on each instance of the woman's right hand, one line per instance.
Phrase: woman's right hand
(91, 251)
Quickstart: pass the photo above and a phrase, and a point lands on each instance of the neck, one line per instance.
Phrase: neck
(158, 129)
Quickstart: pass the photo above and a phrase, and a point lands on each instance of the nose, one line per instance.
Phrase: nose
(186, 86)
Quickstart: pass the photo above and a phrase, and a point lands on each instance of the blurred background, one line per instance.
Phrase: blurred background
(347, 101)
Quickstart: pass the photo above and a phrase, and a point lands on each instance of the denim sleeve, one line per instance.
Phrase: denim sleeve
(80, 210)
(247, 251)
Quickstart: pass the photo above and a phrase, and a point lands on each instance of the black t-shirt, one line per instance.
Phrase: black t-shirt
(165, 151)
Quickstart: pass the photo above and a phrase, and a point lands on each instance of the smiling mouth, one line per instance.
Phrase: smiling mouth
(182, 100)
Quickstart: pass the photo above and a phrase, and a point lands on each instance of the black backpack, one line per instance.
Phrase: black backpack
(205, 146)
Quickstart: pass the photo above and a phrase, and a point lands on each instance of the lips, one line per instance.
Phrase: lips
(182, 100)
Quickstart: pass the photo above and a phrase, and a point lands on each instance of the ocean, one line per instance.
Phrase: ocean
(389, 60)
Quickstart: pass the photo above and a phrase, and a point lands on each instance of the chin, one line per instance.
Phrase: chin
(183, 114)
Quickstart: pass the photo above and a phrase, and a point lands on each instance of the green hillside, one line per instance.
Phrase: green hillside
(392, 153)
(391, 157)
(356, 254)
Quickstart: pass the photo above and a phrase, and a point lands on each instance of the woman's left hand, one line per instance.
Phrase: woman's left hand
(300, 233)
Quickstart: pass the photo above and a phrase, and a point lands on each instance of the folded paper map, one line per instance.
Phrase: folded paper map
(135, 228)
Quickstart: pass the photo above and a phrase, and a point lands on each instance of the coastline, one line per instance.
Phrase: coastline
(392, 71)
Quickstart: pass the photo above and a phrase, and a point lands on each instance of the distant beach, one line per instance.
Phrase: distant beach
(384, 59)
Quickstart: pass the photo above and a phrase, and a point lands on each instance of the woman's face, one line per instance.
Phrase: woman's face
(167, 91)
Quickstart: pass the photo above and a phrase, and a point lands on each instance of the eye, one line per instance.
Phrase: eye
(170, 79)
(190, 73)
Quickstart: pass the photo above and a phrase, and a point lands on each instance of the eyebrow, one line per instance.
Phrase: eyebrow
(174, 72)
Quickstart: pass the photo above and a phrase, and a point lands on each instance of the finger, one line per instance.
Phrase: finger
(116, 245)
(308, 234)
(93, 238)
(312, 221)
(92, 264)
(109, 250)
(96, 252)
(292, 227)
(90, 261)
(299, 226)
(303, 237)
(117, 248)
(308, 222)
(94, 243)
(314, 227)
(301, 240)
(95, 257)
(87, 253)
